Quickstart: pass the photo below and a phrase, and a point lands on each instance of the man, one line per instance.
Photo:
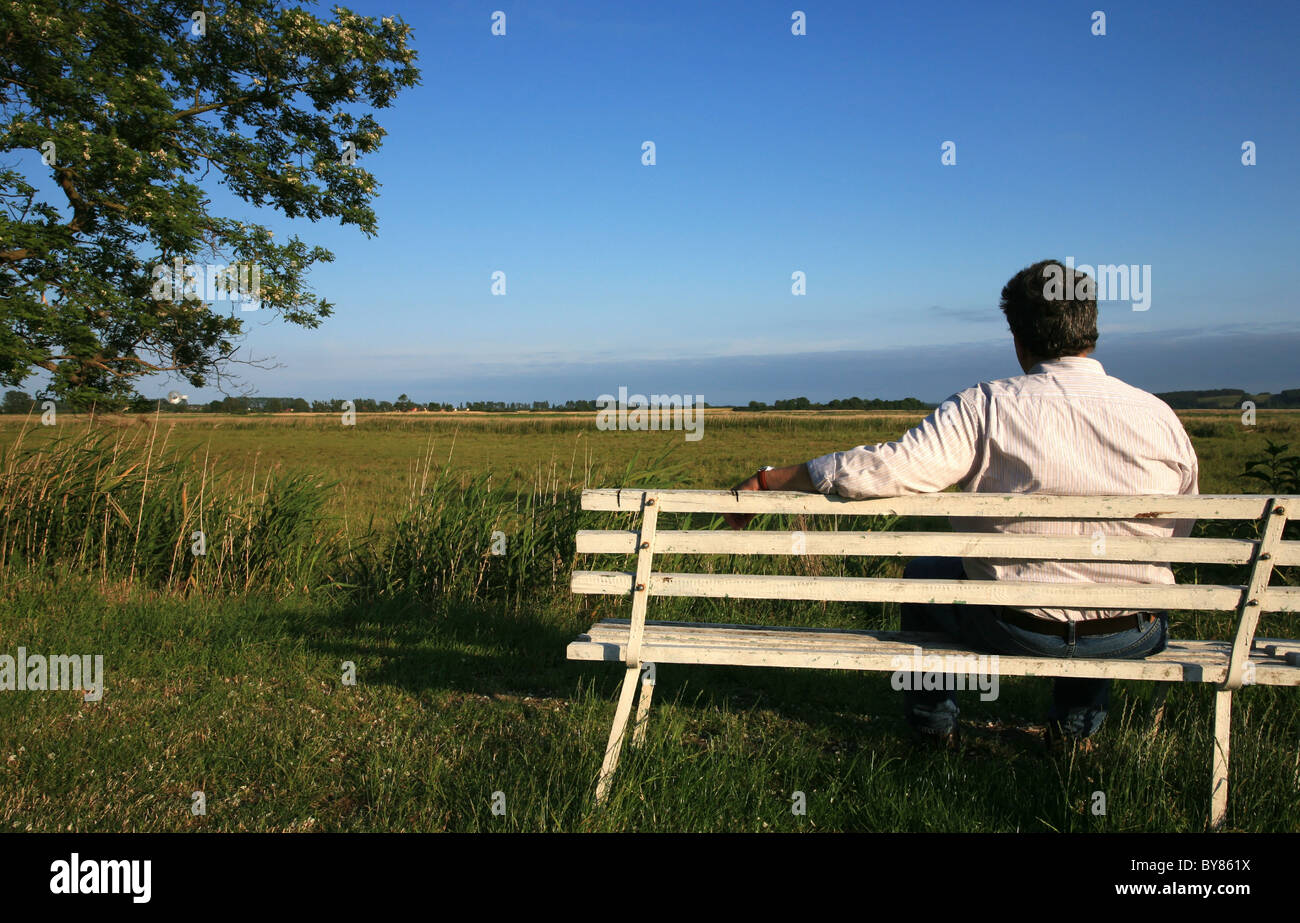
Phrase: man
(1064, 427)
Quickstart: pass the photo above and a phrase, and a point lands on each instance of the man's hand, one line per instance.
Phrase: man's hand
(740, 520)
(791, 477)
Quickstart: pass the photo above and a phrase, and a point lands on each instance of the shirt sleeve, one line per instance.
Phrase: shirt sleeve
(942, 450)
(1191, 476)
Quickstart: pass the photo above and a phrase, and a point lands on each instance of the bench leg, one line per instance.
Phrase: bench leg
(1156, 707)
(643, 703)
(621, 713)
(1222, 731)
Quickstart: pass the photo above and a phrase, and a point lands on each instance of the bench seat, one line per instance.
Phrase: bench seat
(850, 649)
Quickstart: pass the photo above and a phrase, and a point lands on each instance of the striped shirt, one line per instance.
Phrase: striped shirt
(1066, 428)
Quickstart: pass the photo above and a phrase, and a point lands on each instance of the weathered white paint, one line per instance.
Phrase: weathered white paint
(946, 544)
(947, 503)
(897, 589)
(1256, 598)
(752, 645)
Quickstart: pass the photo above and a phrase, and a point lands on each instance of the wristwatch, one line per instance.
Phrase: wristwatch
(762, 477)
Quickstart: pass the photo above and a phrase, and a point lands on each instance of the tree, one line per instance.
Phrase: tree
(125, 112)
(16, 402)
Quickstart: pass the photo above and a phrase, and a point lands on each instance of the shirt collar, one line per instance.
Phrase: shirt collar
(1074, 363)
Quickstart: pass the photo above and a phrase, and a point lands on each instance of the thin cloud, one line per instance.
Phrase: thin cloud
(971, 315)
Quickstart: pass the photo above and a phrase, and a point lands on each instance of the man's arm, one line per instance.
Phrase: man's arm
(943, 449)
(791, 477)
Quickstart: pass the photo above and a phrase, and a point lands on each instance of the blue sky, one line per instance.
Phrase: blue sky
(818, 153)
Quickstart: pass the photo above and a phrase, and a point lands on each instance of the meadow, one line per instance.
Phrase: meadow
(326, 545)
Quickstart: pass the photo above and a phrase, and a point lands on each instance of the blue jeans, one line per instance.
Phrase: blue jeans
(1078, 705)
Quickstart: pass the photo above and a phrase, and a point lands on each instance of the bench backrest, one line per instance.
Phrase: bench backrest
(1260, 554)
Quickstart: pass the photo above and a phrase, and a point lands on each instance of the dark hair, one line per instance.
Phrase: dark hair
(1052, 310)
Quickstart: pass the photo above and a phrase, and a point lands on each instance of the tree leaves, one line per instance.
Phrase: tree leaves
(123, 114)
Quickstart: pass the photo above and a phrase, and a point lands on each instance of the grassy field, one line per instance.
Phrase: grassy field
(367, 544)
(374, 465)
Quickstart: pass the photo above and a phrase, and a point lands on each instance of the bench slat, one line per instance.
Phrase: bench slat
(614, 630)
(1018, 546)
(702, 643)
(1277, 647)
(1207, 660)
(948, 503)
(974, 592)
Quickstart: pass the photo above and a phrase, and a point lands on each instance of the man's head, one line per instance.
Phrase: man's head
(1052, 312)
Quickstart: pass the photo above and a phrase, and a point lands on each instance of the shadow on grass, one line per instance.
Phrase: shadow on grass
(486, 648)
(505, 651)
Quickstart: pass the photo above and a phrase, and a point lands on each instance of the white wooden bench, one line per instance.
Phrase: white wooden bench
(640, 644)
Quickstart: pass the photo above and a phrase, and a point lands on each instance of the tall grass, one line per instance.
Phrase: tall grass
(126, 505)
(468, 538)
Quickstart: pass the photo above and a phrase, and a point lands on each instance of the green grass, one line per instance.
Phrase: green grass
(243, 700)
(234, 686)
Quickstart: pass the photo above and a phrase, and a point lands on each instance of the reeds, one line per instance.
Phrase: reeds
(126, 505)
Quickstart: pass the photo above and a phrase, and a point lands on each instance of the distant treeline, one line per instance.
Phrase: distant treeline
(362, 405)
(18, 402)
(1229, 398)
(841, 403)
